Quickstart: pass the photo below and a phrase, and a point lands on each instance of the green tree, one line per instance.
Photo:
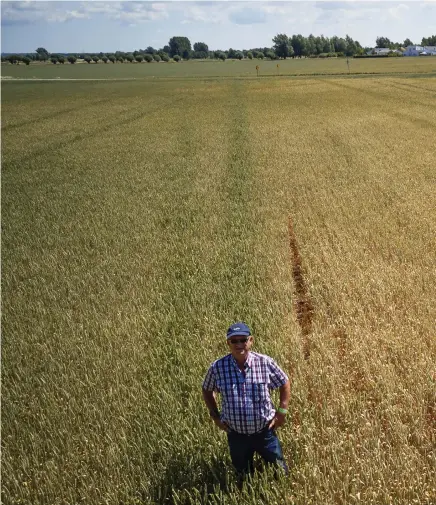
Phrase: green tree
(407, 42)
(239, 55)
(176, 57)
(112, 58)
(72, 59)
(150, 50)
(129, 57)
(53, 60)
(156, 57)
(351, 49)
(61, 59)
(14, 58)
(340, 44)
(26, 60)
(200, 55)
(148, 58)
(326, 45)
(298, 42)
(201, 47)
(88, 59)
(312, 45)
(139, 58)
(180, 46)
(282, 46)
(383, 43)
(249, 55)
(429, 41)
(43, 54)
(165, 57)
(95, 58)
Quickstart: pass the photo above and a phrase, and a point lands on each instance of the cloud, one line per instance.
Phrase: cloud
(280, 9)
(105, 8)
(203, 12)
(138, 12)
(398, 11)
(346, 12)
(31, 12)
(194, 14)
(327, 5)
(59, 12)
(247, 16)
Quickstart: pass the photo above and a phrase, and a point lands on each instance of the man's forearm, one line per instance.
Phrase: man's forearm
(285, 393)
(210, 401)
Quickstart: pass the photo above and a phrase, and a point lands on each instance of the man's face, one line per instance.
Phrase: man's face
(240, 346)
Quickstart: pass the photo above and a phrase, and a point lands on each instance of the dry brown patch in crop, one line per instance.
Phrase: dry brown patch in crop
(303, 303)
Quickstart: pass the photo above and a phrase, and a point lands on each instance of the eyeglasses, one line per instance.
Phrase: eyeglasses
(239, 340)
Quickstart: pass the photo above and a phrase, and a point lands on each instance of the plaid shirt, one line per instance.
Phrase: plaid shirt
(246, 402)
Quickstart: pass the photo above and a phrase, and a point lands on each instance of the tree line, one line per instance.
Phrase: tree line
(385, 43)
(284, 46)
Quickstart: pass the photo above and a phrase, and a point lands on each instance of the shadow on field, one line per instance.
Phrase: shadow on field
(192, 482)
(202, 482)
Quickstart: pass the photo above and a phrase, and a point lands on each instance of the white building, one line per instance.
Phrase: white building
(431, 50)
(379, 51)
(420, 50)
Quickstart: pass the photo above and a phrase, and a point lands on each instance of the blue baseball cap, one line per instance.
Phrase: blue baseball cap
(239, 328)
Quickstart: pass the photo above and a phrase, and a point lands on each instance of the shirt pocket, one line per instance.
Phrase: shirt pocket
(228, 390)
(259, 393)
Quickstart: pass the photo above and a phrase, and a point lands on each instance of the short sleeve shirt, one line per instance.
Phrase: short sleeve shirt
(246, 401)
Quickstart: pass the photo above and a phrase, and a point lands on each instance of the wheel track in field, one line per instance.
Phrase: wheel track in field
(53, 115)
(408, 85)
(303, 304)
(403, 116)
(54, 146)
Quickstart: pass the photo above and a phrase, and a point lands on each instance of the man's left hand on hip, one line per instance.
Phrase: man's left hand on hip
(278, 420)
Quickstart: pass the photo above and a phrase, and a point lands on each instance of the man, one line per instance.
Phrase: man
(244, 380)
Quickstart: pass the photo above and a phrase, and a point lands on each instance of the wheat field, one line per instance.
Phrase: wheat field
(141, 218)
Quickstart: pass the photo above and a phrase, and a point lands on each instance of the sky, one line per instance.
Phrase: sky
(109, 26)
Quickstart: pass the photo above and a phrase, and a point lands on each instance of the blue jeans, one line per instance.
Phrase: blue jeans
(265, 443)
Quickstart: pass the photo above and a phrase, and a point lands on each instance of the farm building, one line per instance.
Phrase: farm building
(420, 51)
(381, 51)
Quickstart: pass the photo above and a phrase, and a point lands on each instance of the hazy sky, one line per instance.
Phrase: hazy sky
(96, 26)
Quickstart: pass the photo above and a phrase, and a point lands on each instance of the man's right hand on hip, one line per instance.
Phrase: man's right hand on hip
(221, 425)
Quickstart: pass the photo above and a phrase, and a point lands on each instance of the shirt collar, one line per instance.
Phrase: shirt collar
(248, 362)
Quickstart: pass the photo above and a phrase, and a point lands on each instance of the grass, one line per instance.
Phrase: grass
(229, 68)
(140, 219)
